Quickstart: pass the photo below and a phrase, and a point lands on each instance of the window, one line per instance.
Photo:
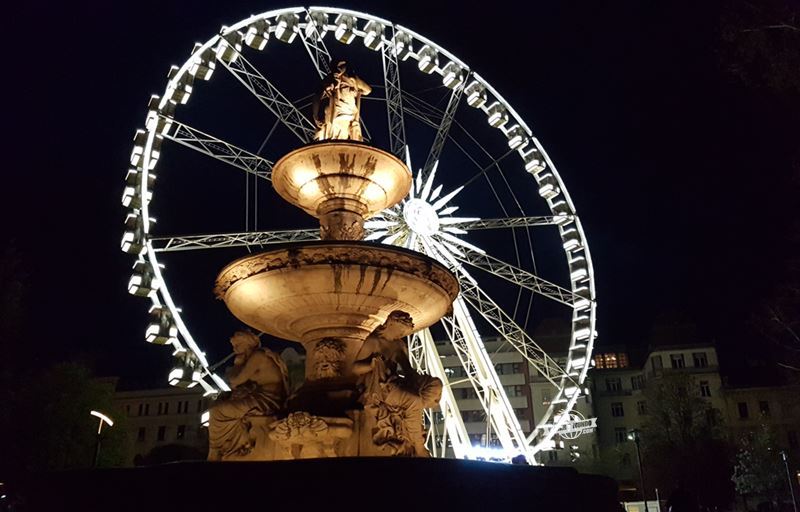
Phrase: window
(677, 361)
(637, 382)
(141, 434)
(473, 416)
(641, 408)
(141, 409)
(514, 390)
(626, 459)
(611, 360)
(763, 408)
(128, 410)
(199, 406)
(166, 407)
(712, 417)
(617, 410)
(162, 433)
(705, 389)
(620, 435)
(552, 456)
(183, 407)
(160, 408)
(743, 414)
(656, 362)
(147, 409)
(468, 393)
(700, 360)
(181, 432)
(613, 384)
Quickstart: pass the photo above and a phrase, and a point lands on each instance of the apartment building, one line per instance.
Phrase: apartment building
(158, 417)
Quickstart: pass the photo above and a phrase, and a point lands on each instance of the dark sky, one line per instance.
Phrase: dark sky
(679, 151)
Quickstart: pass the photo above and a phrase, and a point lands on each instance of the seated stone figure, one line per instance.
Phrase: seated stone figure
(259, 382)
(393, 391)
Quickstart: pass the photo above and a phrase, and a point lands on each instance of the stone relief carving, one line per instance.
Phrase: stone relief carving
(393, 391)
(328, 357)
(259, 387)
(301, 435)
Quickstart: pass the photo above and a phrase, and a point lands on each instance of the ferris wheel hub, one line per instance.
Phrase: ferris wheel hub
(421, 217)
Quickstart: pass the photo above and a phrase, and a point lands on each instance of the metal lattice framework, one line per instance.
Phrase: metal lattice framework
(423, 222)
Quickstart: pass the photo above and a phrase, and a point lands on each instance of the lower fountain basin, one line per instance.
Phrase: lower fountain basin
(335, 289)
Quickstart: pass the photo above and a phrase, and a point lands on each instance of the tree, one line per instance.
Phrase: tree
(682, 445)
(49, 426)
(758, 470)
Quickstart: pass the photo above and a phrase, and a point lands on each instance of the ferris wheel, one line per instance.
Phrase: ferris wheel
(426, 220)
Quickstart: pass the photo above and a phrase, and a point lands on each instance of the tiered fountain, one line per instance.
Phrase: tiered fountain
(332, 295)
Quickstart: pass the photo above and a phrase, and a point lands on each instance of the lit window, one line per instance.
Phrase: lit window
(700, 360)
(705, 389)
(623, 360)
(677, 361)
(617, 410)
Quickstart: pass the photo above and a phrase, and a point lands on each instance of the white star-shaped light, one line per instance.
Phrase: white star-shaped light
(423, 222)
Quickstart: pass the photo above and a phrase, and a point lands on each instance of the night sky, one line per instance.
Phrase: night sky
(678, 148)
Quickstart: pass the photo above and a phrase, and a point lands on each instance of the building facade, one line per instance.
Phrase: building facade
(160, 417)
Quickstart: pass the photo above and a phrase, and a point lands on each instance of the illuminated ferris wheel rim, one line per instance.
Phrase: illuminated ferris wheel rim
(396, 43)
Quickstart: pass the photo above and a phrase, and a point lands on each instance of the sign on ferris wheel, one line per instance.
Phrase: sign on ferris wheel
(575, 426)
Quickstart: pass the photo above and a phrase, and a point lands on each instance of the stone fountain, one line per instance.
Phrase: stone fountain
(350, 304)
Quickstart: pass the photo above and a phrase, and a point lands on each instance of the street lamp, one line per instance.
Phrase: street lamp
(785, 458)
(635, 436)
(103, 419)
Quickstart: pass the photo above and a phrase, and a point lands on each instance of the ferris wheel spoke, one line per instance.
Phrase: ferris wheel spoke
(315, 46)
(519, 276)
(219, 149)
(424, 356)
(441, 133)
(480, 371)
(224, 240)
(394, 96)
(269, 95)
(513, 333)
(513, 222)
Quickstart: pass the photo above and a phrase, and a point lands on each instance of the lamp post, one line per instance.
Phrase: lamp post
(785, 458)
(634, 436)
(103, 419)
